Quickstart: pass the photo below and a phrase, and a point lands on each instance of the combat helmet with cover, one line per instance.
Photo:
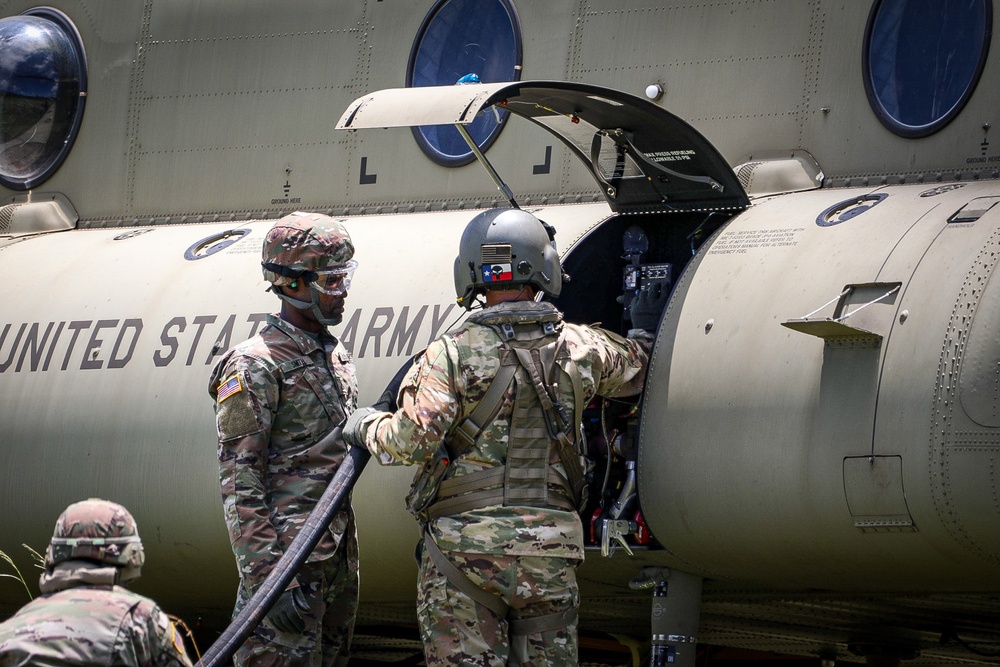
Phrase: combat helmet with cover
(97, 530)
(312, 248)
(506, 248)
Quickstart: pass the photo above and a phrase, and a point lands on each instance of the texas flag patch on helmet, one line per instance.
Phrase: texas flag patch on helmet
(496, 272)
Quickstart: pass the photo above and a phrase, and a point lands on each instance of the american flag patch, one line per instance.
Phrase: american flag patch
(229, 387)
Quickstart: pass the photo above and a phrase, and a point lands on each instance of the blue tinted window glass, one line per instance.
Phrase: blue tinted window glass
(42, 76)
(923, 60)
(459, 38)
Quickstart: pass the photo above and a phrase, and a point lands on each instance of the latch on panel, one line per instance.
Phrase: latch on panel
(851, 301)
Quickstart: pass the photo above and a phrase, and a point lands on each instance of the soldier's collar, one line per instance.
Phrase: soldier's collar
(517, 312)
(306, 341)
(72, 573)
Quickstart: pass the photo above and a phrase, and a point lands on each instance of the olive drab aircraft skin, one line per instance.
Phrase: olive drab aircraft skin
(812, 468)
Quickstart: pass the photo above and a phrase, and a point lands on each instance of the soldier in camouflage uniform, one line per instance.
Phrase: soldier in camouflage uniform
(275, 396)
(85, 616)
(497, 582)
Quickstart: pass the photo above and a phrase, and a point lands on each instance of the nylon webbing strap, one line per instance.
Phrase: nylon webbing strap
(485, 488)
(481, 479)
(529, 365)
(567, 452)
(531, 626)
(516, 626)
(578, 402)
(522, 332)
(528, 449)
(519, 629)
(578, 395)
(468, 430)
(458, 579)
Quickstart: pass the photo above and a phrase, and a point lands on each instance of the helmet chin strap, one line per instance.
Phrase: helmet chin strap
(312, 306)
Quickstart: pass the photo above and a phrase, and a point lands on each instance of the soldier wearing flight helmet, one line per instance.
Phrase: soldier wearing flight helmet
(275, 396)
(491, 412)
(85, 616)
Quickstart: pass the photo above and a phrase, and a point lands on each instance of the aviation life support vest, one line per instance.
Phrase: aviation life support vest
(533, 352)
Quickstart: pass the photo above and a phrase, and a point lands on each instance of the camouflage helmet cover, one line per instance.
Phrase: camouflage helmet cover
(304, 242)
(97, 530)
(506, 248)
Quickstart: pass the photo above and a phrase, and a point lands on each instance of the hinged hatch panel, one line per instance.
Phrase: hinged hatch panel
(644, 158)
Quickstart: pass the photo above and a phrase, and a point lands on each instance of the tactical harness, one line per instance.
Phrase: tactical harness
(533, 351)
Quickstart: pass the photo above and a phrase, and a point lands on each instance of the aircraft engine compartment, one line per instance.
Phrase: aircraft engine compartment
(642, 251)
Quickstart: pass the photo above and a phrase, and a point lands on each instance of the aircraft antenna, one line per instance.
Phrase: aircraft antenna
(501, 186)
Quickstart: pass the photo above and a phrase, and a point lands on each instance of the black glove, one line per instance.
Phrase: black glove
(387, 401)
(286, 614)
(352, 427)
(647, 306)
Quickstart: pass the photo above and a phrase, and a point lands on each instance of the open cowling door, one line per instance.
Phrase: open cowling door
(645, 159)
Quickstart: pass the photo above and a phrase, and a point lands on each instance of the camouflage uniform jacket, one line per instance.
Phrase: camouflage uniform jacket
(276, 395)
(90, 624)
(447, 383)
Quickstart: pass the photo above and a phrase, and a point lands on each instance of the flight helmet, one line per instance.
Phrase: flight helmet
(505, 248)
(97, 530)
(313, 248)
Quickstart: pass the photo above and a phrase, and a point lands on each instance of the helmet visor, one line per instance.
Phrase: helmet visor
(334, 282)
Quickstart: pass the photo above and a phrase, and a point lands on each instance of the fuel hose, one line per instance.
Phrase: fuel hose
(222, 650)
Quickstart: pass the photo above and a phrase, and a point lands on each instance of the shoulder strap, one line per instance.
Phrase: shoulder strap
(469, 428)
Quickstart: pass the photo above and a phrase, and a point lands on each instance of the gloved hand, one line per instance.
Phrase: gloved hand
(647, 306)
(387, 401)
(352, 427)
(286, 614)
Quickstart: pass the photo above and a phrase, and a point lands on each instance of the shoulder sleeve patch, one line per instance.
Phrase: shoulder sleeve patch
(229, 387)
(175, 639)
(237, 410)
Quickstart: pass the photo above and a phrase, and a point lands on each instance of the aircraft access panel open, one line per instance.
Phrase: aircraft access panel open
(645, 159)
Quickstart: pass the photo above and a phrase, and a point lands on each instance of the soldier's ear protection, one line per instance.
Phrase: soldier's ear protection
(295, 284)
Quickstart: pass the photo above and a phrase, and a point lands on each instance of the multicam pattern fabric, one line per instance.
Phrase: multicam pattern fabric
(293, 391)
(90, 625)
(457, 633)
(98, 530)
(305, 242)
(291, 388)
(525, 556)
(330, 588)
(444, 387)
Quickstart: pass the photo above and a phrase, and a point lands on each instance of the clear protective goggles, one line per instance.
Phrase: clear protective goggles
(334, 282)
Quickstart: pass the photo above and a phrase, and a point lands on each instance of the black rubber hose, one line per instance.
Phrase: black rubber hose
(290, 562)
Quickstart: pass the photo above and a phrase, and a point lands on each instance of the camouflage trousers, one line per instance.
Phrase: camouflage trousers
(331, 589)
(458, 631)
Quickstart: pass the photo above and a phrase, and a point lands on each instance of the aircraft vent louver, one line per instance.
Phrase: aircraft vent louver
(779, 172)
(745, 173)
(6, 215)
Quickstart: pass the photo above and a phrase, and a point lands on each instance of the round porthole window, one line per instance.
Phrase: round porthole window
(467, 41)
(43, 85)
(922, 60)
